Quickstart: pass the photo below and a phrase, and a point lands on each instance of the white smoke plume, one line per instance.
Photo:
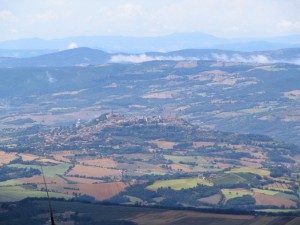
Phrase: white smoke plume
(50, 78)
(4, 104)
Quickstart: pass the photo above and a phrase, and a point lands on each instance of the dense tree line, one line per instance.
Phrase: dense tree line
(8, 173)
(188, 196)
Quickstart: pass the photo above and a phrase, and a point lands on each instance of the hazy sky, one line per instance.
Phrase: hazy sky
(226, 18)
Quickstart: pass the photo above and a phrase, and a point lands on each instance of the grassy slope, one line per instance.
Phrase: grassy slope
(17, 193)
(49, 171)
(260, 172)
(178, 184)
(234, 193)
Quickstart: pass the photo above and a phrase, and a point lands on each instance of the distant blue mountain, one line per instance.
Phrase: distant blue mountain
(162, 43)
(23, 53)
(255, 46)
(87, 56)
(72, 57)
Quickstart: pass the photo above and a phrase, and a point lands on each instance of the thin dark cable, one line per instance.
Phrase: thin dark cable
(49, 202)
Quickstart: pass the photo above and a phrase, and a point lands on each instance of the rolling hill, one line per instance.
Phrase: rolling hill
(150, 161)
(87, 56)
(238, 97)
(161, 132)
(72, 57)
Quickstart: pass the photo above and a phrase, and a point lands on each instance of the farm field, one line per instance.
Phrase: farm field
(180, 167)
(28, 157)
(62, 156)
(266, 192)
(39, 180)
(186, 159)
(213, 199)
(163, 144)
(197, 164)
(279, 187)
(178, 184)
(93, 171)
(103, 162)
(10, 183)
(49, 171)
(171, 136)
(101, 191)
(229, 178)
(184, 167)
(17, 193)
(6, 158)
(234, 193)
(260, 172)
(262, 199)
(82, 180)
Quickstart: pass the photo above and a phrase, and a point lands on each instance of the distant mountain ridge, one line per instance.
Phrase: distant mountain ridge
(72, 57)
(170, 42)
(86, 56)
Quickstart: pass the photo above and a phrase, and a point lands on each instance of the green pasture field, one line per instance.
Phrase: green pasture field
(228, 178)
(133, 199)
(234, 193)
(280, 189)
(202, 163)
(260, 172)
(17, 193)
(178, 184)
(49, 171)
(266, 192)
(10, 183)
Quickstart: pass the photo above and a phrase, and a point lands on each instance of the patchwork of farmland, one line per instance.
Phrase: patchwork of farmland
(150, 161)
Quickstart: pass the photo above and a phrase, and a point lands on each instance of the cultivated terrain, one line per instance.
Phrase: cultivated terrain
(150, 161)
(173, 131)
(228, 96)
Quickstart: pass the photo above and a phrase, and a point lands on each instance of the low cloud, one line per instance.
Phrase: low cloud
(218, 57)
(144, 58)
(295, 61)
(240, 58)
(72, 45)
(252, 59)
(255, 58)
